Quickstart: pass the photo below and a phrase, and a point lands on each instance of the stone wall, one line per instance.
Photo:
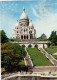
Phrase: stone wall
(40, 45)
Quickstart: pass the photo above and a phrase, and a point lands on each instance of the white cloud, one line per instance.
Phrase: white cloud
(35, 13)
(47, 21)
(46, 24)
(42, 8)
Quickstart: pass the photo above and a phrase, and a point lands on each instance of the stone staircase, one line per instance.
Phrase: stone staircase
(27, 60)
(53, 60)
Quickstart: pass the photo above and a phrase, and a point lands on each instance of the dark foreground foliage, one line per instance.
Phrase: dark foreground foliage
(11, 56)
(3, 37)
(53, 38)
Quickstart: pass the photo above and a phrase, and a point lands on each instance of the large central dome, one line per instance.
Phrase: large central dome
(23, 16)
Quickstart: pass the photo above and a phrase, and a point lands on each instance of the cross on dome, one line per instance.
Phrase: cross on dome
(23, 9)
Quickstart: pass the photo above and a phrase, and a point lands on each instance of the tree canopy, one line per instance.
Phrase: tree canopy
(53, 37)
(3, 37)
(11, 56)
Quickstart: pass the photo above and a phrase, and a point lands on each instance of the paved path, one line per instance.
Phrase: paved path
(27, 60)
(53, 60)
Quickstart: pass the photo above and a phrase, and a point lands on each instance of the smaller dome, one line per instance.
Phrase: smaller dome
(17, 24)
(31, 24)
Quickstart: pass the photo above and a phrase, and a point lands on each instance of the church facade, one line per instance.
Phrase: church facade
(23, 28)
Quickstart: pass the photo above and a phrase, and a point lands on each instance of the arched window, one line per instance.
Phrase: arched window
(24, 30)
(22, 37)
(27, 36)
(36, 46)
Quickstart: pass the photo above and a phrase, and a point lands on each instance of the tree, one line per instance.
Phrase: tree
(53, 37)
(29, 46)
(3, 37)
(11, 56)
(23, 46)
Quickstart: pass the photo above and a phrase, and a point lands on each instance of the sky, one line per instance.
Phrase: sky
(43, 14)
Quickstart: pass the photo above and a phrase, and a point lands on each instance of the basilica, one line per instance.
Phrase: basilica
(24, 29)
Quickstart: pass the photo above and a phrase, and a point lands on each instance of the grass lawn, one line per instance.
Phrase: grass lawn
(39, 40)
(18, 40)
(51, 51)
(38, 58)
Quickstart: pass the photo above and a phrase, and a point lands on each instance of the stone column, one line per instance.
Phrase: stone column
(20, 36)
(45, 45)
(28, 36)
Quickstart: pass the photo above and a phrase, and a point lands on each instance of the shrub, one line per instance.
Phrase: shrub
(29, 46)
(23, 46)
(12, 39)
(36, 46)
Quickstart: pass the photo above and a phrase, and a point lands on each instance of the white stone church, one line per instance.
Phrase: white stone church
(23, 28)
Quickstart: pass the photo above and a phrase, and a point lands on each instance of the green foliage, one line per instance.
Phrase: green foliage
(40, 39)
(2, 70)
(23, 46)
(11, 56)
(3, 37)
(53, 38)
(29, 46)
(18, 40)
(54, 47)
(22, 62)
(38, 58)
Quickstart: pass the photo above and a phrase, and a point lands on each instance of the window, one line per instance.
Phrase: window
(21, 24)
(30, 31)
(17, 31)
(24, 30)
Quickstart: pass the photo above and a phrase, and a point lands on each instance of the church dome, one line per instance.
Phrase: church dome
(23, 16)
(31, 24)
(17, 24)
